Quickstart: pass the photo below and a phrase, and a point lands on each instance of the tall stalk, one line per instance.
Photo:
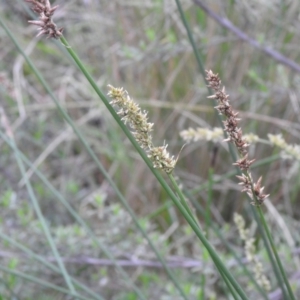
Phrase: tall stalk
(265, 232)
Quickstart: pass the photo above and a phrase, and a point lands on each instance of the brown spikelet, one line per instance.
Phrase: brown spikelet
(235, 135)
(45, 23)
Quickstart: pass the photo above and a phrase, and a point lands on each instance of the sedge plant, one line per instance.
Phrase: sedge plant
(126, 112)
(159, 157)
(233, 133)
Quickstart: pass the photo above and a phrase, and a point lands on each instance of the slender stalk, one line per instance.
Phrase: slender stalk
(269, 251)
(232, 251)
(225, 23)
(231, 289)
(47, 264)
(94, 157)
(43, 222)
(208, 204)
(202, 295)
(200, 65)
(8, 289)
(230, 174)
(183, 200)
(140, 151)
(186, 206)
(157, 174)
(41, 282)
(209, 248)
(286, 281)
(201, 211)
(68, 207)
(191, 39)
(89, 231)
(276, 266)
(222, 239)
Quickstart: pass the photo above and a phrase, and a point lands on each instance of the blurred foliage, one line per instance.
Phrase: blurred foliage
(143, 47)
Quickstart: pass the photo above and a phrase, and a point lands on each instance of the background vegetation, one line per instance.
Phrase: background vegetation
(143, 46)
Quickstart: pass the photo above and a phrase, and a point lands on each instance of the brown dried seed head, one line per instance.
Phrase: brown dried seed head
(244, 163)
(45, 23)
(213, 80)
(235, 135)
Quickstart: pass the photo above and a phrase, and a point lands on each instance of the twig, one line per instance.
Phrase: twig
(172, 262)
(241, 35)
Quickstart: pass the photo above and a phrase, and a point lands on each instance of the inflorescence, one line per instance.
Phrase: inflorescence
(235, 135)
(250, 250)
(131, 114)
(45, 22)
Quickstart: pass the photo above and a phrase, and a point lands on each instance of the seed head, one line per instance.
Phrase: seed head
(45, 22)
(137, 119)
(235, 135)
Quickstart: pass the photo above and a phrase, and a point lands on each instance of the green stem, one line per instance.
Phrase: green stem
(191, 39)
(262, 218)
(182, 199)
(232, 153)
(148, 162)
(47, 264)
(201, 66)
(262, 225)
(269, 250)
(273, 248)
(208, 203)
(222, 269)
(206, 185)
(41, 282)
(67, 206)
(227, 244)
(139, 150)
(231, 289)
(187, 208)
(43, 221)
(68, 119)
(94, 157)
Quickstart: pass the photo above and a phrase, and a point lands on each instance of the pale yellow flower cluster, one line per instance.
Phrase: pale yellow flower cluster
(288, 151)
(191, 134)
(215, 135)
(251, 138)
(131, 114)
(257, 266)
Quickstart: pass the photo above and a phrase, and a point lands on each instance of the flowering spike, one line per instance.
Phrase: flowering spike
(131, 114)
(235, 135)
(45, 23)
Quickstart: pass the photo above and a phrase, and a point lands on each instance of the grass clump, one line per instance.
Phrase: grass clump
(121, 228)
